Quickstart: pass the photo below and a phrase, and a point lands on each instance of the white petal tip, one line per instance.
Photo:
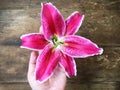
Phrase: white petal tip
(101, 51)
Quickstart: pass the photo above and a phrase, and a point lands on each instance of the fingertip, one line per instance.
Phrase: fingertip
(34, 53)
(33, 57)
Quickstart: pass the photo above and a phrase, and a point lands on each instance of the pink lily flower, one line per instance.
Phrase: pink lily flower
(58, 43)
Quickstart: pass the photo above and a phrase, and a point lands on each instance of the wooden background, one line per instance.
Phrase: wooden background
(101, 25)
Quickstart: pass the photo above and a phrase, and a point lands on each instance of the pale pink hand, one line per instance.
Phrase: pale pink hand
(56, 82)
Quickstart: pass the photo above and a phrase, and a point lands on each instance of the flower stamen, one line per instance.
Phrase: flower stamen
(56, 41)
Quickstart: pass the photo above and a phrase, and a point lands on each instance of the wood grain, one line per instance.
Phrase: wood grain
(101, 25)
(69, 86)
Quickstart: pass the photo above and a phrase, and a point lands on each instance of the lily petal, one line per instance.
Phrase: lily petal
(52, 21)
(68, 64)
(77, 46)
(46, 63)
(33, 41)
(73, 23)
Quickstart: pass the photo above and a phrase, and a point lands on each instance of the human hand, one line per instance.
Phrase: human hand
(56, 82)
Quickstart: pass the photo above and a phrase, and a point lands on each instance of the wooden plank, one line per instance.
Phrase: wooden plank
(69, 86)
(13, 63)
(14, 4)
(19, 14)
(16, 22)
(14, 86)
(10, 15)
(101, 26)
(92, 86)
(73, 4)
(104, 68)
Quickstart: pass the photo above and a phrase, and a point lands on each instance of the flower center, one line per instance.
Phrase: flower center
(56, 41)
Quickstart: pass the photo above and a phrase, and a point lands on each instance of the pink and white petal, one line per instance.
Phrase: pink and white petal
(73, 23)
(77, 46)
(33, 41)
(68, 64)
(52, 21)
(46, 63)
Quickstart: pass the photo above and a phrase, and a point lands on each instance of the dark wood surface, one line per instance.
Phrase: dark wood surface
(101, 25)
